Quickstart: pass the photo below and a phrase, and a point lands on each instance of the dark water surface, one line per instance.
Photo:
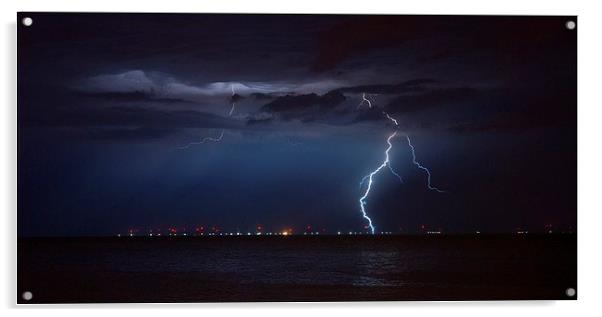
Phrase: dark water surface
(296, 268)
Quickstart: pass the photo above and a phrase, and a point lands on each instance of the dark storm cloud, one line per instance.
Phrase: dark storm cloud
(155, 122)
(260, 120)
(131, 97)
(442, 97)
(236, 98)
(210, 48)
(140, 67)
(261, 96)
(413, 95)
(131, 105)
(485, 108)
(158, 85)
(118, 115)
(412, 85)
(305, 107)
(369, 114)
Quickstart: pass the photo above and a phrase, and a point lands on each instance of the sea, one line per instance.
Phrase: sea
(297, 268)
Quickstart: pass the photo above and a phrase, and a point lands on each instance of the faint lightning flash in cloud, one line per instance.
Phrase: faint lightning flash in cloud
(203, 140)
(210, 139)
(233, 103)
(387, 163)
(391, 118)
(365, 100)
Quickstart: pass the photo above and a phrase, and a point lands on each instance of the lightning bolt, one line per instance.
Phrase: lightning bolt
(210, 139)
(387, 156)
(420, 166)
(203, 140)
(364, 100)
(233, 103)
(390, 169)
(387, 163)
(369, 178)
(391, 118)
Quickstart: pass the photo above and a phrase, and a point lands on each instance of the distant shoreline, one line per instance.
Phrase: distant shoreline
(324, 235)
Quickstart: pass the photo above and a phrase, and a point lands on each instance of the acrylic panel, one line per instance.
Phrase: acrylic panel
(270, 157)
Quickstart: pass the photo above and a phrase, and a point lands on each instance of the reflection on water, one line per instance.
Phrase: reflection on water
(325, 261)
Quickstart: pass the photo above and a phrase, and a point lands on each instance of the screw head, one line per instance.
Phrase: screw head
(27, 21)
(570, 292)
(27, 295)
(570, 25)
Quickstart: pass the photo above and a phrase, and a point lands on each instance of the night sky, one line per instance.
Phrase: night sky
(106, 100)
